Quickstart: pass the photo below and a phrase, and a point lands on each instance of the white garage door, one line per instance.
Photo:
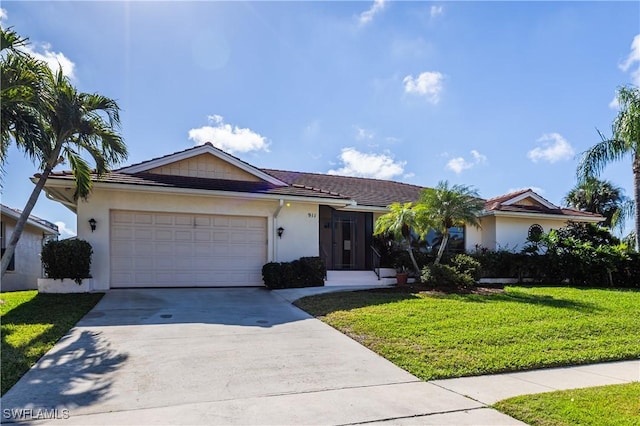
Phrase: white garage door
(186, 250)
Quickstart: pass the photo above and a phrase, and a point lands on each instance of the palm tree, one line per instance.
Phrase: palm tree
(399, 222)
(624, 141)
(444, 207)
(602, 197)
(22, 93)
(74, 124)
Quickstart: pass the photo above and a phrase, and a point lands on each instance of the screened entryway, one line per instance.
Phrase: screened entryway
(345, 239)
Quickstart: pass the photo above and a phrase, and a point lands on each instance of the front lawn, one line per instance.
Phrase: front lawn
(437, 336)
(605, 405)
(32, 323)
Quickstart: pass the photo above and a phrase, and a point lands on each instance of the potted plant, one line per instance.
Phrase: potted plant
(402, 275)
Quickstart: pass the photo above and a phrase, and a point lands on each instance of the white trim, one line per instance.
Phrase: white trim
(529, 194)
(202, 149)
(542, 216)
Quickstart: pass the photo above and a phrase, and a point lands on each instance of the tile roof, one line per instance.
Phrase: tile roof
(365, 191)
(495, 204)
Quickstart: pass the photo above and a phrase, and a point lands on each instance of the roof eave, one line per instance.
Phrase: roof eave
(15, 215)
(574, 218)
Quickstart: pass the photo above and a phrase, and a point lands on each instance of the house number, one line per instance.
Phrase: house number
(311, 215)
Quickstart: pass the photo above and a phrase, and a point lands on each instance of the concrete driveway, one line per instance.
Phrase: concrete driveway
(222, 356)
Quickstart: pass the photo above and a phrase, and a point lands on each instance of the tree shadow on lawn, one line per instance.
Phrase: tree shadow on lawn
(493, 295)
(75, 373)
(325, 304)
(540, 300)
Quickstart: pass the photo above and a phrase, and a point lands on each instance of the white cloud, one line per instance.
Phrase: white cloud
(363, 134)
(458, 164)
(632, 59)
(65, 231)
(553, 148)
(3, 14)
(227, 137)
(427, 84)
(54, 60)
(367, 16)
(614, 103)
(436, 11)
(370, 165)
(535, 189)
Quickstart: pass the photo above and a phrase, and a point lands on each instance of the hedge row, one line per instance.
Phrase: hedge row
(304, 272)
(585, 268)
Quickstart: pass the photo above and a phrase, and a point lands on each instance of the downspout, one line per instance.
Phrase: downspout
(275, 226)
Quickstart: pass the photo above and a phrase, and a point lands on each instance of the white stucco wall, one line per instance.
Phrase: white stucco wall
(512, 233)
(472, 238)
(301, 237)
(299, 220)
(28, 266)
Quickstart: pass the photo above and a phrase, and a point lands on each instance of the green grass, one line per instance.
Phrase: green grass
(617, 405)
(32, 323)
(442, 336)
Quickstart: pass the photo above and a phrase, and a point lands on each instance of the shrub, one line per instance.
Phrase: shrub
(466, 265)
(67, 259)
(304, 272)
(461, 272)
(501, 263)
(447, 276)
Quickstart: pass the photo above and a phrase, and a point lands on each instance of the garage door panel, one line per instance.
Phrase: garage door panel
(163, 235)
(200, 235)
(203, 221)
(183, 236)
(143, 219)
(172, 250)
(163, 219)
(142, 234)
(123, 233)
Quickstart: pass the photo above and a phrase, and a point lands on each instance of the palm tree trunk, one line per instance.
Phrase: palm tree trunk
(443, 245)
(636, 193)
(413, 260)
(17, 232)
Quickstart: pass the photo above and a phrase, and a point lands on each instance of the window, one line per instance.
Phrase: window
(535, 232)
(3, 242)
(456, 240)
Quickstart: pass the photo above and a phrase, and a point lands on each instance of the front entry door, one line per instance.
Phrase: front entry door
(345, 242)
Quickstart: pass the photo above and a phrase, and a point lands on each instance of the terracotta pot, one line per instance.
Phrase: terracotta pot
(402, 278)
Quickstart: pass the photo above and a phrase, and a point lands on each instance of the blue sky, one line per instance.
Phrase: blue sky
(498, 95)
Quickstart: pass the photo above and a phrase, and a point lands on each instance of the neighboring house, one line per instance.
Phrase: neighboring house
(26, 266)
(202, 217)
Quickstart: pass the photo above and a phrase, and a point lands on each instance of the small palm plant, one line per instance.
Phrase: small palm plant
(444, 207)
(399, 222)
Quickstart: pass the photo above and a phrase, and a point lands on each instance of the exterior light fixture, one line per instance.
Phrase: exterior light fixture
(92, 224)
(280, 231)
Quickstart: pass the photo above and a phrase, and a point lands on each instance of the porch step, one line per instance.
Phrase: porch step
(356, 278)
